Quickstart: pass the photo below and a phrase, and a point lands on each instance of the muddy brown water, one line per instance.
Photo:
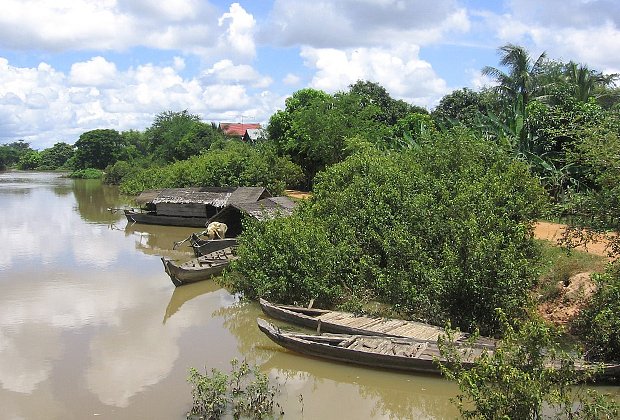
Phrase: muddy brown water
(92, 327)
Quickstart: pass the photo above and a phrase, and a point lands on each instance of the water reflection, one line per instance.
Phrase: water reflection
(180, 295)
(159, 240)
(93, 200)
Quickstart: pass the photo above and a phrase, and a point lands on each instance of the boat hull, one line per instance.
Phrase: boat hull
(154, 219)
(311, 318)
(320, 347)
(206, 246)
(198, 269)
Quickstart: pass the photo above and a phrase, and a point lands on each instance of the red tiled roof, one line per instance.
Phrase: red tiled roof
(237, 129)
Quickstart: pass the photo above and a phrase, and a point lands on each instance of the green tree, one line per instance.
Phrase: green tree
(586, 83)
(179, 135)
(599, 323)
(56, 156)
(523, 71)
(11, 153)
(29, 160)
(226, 163)
(317, 130)
(391, 110)
(98, 148)
(465, 106)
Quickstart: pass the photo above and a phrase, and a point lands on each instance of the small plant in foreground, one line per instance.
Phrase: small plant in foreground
(527, 376)
(246, 393)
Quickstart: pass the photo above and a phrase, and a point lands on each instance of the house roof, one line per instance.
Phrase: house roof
(267, 208)
(217, 197)
(254, 134)
(237, 129)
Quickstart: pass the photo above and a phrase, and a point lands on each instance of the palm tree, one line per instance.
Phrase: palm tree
(586, 83)
(521, 79)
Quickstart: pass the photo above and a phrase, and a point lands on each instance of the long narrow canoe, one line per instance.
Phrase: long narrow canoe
(205, 246)
(400, 353)
(198, 269)
(386, 352)
(348, 323)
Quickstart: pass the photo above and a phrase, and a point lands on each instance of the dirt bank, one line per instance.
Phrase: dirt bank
(553, 231)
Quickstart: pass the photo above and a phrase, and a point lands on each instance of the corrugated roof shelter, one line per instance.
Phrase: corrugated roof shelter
(254, 134)
(267, 208)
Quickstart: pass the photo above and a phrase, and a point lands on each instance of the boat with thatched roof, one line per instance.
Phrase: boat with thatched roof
(191, 207)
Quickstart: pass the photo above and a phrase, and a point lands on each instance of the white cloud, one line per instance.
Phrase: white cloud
(227, 71)
(95, 72)
(582, 31)
(240, 32)
(353, 23)
(191, 26)
(398, 69)
(479, 80)
(291, 79)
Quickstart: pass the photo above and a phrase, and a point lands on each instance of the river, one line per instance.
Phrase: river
(92, 327)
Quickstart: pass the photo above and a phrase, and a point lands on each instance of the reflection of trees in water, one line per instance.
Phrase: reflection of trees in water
(408, 402)
(63, 190)
(240, 320)
(93, 200)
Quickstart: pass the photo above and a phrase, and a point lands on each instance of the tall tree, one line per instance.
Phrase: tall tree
(521, 79)
(178, 135)
(586, 83)
(98, 148)
(56, 156)
(391, 110)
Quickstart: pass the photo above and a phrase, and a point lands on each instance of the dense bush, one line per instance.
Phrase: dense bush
(287, 260)
(88, 173)
(115, 173)
(442, 232)
(599, 323)
(229, 163)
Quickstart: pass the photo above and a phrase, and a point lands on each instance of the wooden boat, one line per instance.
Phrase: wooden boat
(386, 352)
(348, 323)
(399, 353)
(206, 246)
(197, 269)
(152, 218)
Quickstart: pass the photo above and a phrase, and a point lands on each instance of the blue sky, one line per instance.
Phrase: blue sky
(69, 66)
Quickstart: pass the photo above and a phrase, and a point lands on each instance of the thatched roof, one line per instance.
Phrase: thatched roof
(267, 208)
(217, 197)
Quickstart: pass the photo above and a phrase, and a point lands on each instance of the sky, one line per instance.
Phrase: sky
(70, 66)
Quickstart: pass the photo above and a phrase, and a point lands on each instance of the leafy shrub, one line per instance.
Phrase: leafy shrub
(442, 232)
(286, 259)
(225, 164)
(88, 173)
(115, 173)
(245, 392)
(599, 323)
(516, 381)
